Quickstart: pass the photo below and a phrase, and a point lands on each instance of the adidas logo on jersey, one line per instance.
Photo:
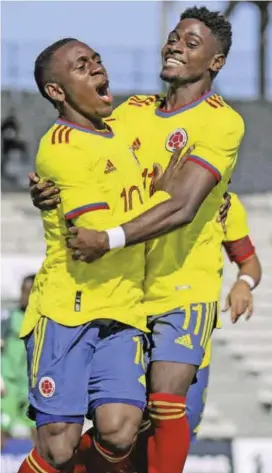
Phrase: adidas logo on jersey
(109, 167)
(185, 340)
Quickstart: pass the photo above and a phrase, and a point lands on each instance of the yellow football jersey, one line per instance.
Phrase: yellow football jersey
(236, 223)
(182, 267)
(101, 186)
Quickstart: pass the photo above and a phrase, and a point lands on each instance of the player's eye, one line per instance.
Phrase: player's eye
(81, 67)
(192, 45)
(172, 40)
(99, 61)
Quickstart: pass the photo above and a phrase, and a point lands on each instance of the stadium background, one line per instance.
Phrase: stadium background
(236, 433)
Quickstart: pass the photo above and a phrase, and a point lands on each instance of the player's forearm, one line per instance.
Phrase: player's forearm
(162, 219)
(252, 268)
(188, 192)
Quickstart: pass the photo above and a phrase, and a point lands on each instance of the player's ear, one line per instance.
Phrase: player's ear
(217, 62)
(54, 92)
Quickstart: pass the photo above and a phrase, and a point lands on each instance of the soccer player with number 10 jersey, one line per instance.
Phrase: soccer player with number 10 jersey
(181, 312)
(183, 276)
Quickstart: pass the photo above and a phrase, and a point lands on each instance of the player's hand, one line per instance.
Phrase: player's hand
(239, 301)
(224, 210)
(166, 180)
(44, 195)
(87, 245)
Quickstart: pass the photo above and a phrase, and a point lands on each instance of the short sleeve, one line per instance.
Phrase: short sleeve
(237, 242)
(236, 223)
(82, 200)
(217, 147)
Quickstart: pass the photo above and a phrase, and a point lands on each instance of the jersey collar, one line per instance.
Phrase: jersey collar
(106, 134)
(175, 111)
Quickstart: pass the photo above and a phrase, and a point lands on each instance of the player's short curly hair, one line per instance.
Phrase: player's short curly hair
(43, 72)
(215, 21)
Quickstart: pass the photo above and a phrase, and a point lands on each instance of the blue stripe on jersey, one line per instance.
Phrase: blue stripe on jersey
(105, 134)
(86, 208)
(171, 113)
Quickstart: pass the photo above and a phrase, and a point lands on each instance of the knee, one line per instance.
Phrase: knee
(119, 432)
(57, 443)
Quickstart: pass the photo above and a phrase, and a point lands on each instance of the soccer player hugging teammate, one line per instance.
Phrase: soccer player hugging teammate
(84, 327)
(182, 283)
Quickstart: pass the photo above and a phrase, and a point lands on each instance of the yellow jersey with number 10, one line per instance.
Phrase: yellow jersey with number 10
(101, 186)
(182, 267)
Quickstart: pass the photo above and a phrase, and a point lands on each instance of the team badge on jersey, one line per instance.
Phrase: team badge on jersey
(47, 386)
(176, 139)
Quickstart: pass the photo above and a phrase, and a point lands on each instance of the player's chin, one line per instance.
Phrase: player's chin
(169, 75)
(105, 110)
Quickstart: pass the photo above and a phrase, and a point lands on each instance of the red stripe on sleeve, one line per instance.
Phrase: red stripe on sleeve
(216, 101)
(211, 104)
(206, 165)
(61, 133)
(239, 250)
(67, 135)
(54, 134)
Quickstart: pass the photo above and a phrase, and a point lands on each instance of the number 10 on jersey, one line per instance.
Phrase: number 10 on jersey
(129, 197)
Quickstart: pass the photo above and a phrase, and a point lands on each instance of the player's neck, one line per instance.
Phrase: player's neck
(75, 117)
(178, 97)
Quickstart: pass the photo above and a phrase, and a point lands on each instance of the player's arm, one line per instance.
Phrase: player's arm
(187, 184)
(82, 201)
(191, 182)
(240, 299)
(241, 251)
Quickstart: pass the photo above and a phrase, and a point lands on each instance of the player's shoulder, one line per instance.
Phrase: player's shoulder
(134, 109)
(139, 103)
(223, 115)
(60, 134)
(144, 101)
(62, 145)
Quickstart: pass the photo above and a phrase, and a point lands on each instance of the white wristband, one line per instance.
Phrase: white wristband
(248, 279)
(117, 237)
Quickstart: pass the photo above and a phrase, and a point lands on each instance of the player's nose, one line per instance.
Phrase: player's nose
(96, 69)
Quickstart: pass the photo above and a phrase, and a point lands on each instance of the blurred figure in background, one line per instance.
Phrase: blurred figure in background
(14, 152)
(14, 365)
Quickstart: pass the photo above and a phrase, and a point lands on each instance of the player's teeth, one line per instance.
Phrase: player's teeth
(173, 61)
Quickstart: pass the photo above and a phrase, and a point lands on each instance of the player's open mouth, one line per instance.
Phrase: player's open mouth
(172, 62)
(104, 93)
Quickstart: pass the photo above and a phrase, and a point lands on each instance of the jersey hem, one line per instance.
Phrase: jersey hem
(62, 320)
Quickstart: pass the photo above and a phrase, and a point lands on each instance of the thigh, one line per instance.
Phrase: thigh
(181, 336)
(118, 370)
(59, 360)
(196, 399)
